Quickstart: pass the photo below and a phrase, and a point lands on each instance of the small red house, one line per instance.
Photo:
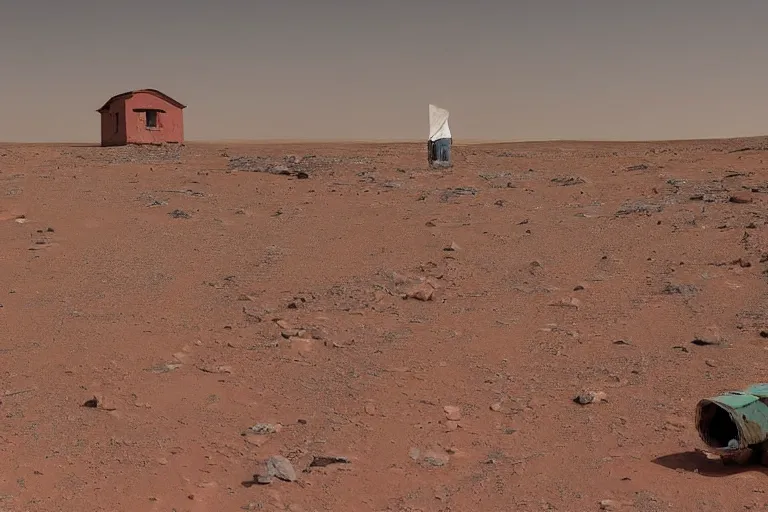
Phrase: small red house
(146, 116)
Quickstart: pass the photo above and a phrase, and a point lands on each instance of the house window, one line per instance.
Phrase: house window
(151, 119)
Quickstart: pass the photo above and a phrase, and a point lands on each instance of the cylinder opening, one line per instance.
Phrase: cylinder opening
(716, 426)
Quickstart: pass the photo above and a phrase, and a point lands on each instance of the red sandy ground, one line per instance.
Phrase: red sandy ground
(172, 322)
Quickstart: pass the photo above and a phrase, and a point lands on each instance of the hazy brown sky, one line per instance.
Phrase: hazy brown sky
(365, 69)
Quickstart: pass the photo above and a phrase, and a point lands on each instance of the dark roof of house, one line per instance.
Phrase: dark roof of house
(128, 94)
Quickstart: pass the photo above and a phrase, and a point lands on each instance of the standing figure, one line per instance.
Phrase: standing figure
(440, 140)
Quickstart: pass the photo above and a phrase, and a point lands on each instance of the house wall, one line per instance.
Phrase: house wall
(170, 124)
(113, 125)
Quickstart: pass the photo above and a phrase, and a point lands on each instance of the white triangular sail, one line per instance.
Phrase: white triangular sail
(438, 123)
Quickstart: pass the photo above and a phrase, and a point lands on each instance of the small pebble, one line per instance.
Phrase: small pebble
(452, 412)
(435, 459)
(264, 429)
(591, 397)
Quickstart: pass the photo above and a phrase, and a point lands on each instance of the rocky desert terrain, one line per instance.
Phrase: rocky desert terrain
(338, 327)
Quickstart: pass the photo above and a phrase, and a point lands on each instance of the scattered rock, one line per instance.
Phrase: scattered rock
(453, 247)
(591, 397)
(571, 302)
(92, 402)
(422, 291)
(568, 181)
(264, 479)
(283, 324)
(699, 342)
(278, 467)
(293, 159)
(215, 369)
(449, 194)
(741, 262)
(252, 315)
(452, 413)
(317, 333)
(262, 164)
(679, 289)
(740, 199)
(323, 461)
(164, 368)
(180, 214)
(304, 346)
(436, 459)
(99, 402)
(264, 429)
(496, 407)
(281, 169)
(399, 279)
(639, 207)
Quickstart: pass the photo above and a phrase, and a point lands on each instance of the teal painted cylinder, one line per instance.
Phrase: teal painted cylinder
(734, 421)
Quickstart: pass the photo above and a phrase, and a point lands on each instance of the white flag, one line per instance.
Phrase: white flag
(438, 123)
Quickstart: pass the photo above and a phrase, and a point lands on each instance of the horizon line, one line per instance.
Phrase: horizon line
(466, 142)
(458, 142)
